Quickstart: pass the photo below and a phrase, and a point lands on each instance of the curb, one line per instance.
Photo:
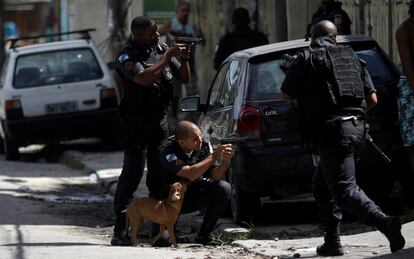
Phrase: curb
(104, 177)
(72, 160)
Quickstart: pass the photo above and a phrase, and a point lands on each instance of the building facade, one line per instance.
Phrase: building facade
(283, 20)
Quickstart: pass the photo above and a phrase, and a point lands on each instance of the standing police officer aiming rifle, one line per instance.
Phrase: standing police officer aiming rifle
(146, 69)
(334, 90)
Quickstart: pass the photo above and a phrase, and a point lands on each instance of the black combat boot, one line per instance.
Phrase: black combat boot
(390, 226)
(120, 238)
(203, 237)
(332, 245)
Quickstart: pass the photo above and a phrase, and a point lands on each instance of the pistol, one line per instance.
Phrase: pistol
(188, 40)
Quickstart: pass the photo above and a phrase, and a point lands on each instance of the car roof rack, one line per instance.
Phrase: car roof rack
(85, 35)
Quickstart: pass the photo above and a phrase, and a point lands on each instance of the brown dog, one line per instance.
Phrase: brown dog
(164, 213)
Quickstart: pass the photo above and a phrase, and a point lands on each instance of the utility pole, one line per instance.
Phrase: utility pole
(1, 30)
(117, 14)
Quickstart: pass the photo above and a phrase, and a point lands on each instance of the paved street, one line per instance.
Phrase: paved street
(51, 210)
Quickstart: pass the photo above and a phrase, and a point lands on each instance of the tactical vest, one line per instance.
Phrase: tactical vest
(138, 101)
(342, 71)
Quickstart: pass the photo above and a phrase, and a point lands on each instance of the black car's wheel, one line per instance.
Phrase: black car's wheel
(244, 205)
(11, 149)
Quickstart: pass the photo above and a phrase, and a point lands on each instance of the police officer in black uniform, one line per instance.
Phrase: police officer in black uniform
(186, 156)
(332, 11)
(334, 89)
(239, 38)
(146, 69)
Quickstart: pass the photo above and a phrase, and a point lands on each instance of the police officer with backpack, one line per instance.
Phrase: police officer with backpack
(334, 90)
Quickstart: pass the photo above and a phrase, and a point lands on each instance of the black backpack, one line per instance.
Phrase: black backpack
(343, 73)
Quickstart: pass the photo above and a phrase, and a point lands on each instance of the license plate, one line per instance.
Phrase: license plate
(65, 107)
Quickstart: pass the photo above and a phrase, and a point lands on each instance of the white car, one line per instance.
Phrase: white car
(55, 91)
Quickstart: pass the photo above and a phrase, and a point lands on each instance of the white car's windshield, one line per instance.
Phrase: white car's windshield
(57, 67)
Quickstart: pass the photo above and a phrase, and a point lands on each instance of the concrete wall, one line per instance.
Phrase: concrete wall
(94, 14)
(379, 20)
(287, 19)
(299, 13)
(213, 18)
(279, 19)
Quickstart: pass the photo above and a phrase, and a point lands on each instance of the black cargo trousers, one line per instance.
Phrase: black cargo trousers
(335, 187)
(139, 136)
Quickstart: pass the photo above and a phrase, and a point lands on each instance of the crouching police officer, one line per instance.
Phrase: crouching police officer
(186, 156)
(146, 69)
(334, 89)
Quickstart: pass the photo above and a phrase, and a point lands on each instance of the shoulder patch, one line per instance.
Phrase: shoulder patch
(123, 57)
(171, 157)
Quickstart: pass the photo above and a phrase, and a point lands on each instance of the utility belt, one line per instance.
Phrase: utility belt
(367, 138)
(340, 128)
(354, 119)
(345, 118)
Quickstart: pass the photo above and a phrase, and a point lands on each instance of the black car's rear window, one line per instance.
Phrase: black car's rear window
(377, 67)
(266, 78)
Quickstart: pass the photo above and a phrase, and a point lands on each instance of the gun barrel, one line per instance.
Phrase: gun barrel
(377, 149)
(236, 140)
(188, 40)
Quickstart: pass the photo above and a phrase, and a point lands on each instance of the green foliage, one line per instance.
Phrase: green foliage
(228, 238)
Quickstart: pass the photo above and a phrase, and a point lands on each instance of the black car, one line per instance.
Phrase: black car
(245, 100)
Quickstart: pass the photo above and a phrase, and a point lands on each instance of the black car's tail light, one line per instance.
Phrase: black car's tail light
(109, 98)
(13, 109)
(248, 123)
